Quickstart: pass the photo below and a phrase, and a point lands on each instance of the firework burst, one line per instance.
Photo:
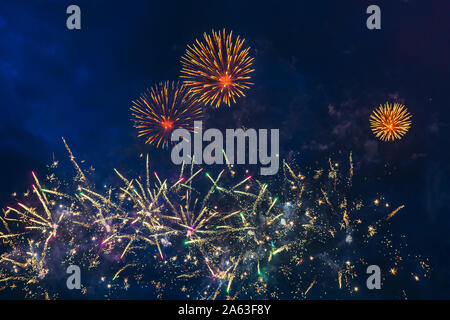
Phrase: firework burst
(217, 71)
(162, 109)
(390, 122)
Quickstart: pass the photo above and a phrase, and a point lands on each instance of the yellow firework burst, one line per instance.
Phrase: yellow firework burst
(390, 121)
(218, 69)
(161, 110)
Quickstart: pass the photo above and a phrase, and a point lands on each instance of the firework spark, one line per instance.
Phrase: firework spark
(390, 122)
(217, 71)
(161, 110)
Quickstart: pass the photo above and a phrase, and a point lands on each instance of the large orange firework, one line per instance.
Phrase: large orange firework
(162, 109)
(218, 69)
(390, 122)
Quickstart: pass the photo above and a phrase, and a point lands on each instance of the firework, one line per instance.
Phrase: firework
(390, 122)
(218, 70)
(211, 235)
(161, 110)
(31, 235)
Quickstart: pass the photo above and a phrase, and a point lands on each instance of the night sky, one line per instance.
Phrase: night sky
(318, 74)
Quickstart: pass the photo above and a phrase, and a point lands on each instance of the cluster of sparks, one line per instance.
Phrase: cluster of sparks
(164, 108)
(229, 238)
(218, 69)
(390, 122)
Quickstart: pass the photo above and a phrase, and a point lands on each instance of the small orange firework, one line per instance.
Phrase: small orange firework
(217, 71)
(390, 122)
(162, 109)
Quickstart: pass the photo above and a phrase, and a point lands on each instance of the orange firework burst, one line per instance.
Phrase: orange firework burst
(217, 71)
(390, 122)
(162, 109)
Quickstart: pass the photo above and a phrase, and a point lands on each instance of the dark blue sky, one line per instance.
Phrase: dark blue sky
(319, 72)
